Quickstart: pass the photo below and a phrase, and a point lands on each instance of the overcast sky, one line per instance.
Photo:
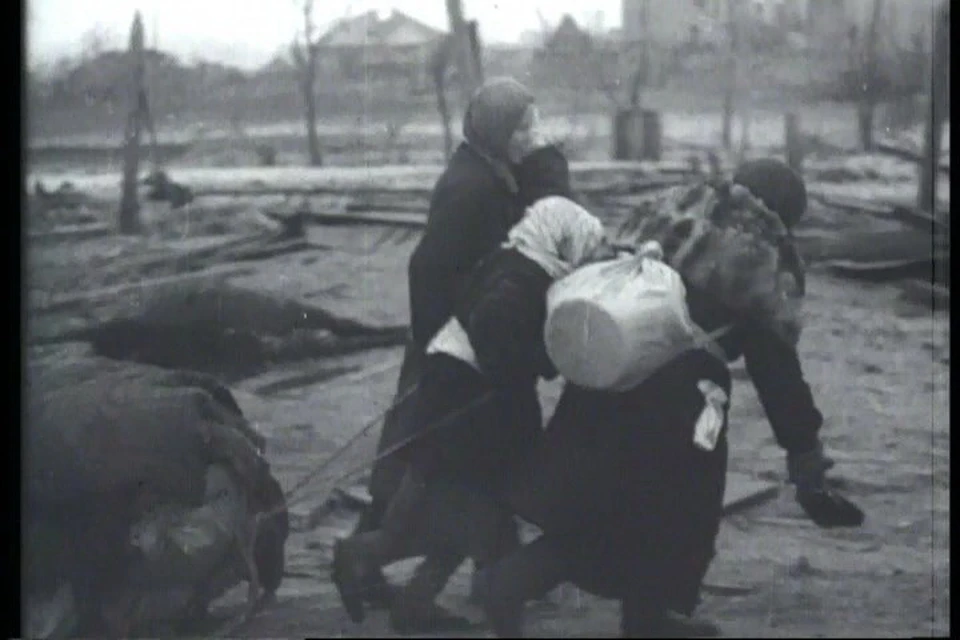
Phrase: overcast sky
(250, 32)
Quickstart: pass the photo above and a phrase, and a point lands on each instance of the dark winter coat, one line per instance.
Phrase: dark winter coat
(471, 211)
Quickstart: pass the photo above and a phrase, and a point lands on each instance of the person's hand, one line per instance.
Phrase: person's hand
(827, 509)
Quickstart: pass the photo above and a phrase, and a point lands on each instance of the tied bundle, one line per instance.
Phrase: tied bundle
(727, 244)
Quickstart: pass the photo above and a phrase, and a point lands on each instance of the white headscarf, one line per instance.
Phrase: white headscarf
(558, 234)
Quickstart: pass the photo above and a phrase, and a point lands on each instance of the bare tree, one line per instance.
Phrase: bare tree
(439, 63)
(305, 60)
(466, 50)
(129, 219)
(734, 37)
(460, 48)
(939, 95)
(870, 79)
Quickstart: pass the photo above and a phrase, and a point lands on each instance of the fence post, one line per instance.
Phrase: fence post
(652, 135)
(625, 138)
(793, 142)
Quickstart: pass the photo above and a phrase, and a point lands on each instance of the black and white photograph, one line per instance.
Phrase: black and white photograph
(485, 319)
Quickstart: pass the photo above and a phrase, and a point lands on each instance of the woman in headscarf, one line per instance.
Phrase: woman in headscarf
(476, 405)
(481, 194)
(628, 485)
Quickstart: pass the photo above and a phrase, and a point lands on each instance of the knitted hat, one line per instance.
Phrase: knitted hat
(777, 185)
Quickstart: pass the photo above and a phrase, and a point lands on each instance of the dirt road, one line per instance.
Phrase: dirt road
(880, 370)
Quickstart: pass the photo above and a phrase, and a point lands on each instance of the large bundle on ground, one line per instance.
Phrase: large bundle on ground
(146, 496)
(727, 245)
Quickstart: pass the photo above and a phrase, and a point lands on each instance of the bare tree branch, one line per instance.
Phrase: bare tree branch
(305, 60)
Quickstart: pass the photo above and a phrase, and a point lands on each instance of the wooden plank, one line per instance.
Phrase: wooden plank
(848, 203)
(884, 208)
(268, 250)
(921, 219)
(926, 293)
(44, 304)
(888, 270)
(899, 151)
(72, 232)
(182, 257)
(380, 218)
(744, 491)
(413, 180)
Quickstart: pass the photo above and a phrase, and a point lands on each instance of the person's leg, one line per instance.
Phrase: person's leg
(528, 573)
(640, 617)
(387, 474)
(503, 541)
(415, 610)
(463, 522)
(357, 557)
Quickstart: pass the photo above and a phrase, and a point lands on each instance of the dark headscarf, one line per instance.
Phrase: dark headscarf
(777, 185)
(493, 114)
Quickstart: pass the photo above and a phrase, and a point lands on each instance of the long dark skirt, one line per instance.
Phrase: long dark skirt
(619, 485)
(388, 470)
(484, 432)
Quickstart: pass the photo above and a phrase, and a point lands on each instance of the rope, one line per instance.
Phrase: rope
(310, 475)
(442, 422)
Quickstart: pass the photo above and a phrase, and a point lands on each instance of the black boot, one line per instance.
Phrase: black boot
(357, 558)
(528, 573)
(349, 576)
(415, 611)
(640, 620)
(377, 590)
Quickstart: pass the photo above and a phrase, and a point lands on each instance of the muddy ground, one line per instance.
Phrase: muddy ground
(879, 367)
(880, 370)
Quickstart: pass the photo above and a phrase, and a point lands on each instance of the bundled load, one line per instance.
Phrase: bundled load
(728, 245)
(147, 497)
(610, 325)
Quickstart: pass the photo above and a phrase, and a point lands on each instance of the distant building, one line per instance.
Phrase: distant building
(398, 47)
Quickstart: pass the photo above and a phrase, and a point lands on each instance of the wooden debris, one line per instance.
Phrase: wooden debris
(727, 590)
(323, 344)
(303, 379)
(269, 250)
(921, 219)
(905, 153)
(744, 491)
(70, 233)
(185, 260)
(317, 190)
(890, 210)
(378, 218)
(926, 293)
(353, 497)
(888, 270)
(850, 204)
(41, 304)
